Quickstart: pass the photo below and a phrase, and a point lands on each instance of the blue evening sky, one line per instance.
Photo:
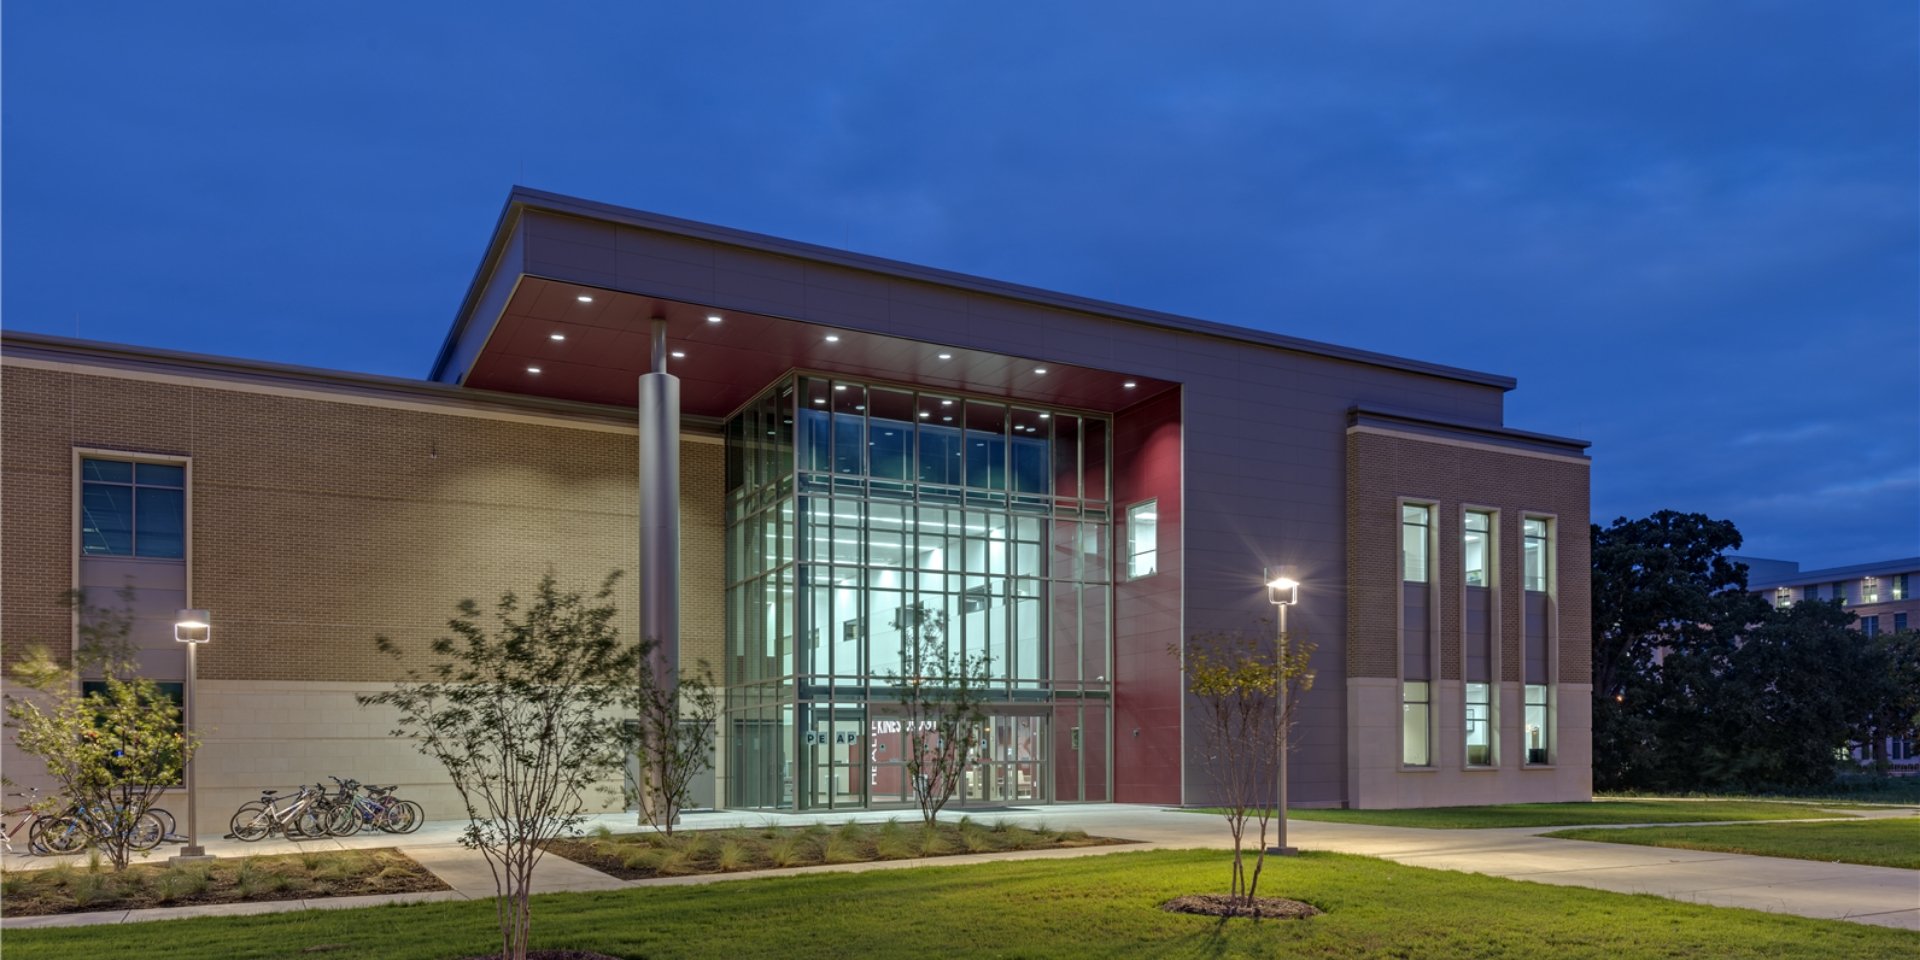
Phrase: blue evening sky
(1691, 230)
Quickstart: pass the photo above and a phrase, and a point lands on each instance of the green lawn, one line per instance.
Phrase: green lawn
(1881, 843)
(1568, 814)
(1092, 907)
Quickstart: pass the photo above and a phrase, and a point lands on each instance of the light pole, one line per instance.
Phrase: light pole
(1282, 592)
(193, 628)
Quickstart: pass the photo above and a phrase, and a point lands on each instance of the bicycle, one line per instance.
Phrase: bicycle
(300, 819)
(378, 809)
(78, 827)
(395, 814)
(34, 823)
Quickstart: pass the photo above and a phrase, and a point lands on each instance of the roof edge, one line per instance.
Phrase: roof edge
(522, 198)
(1825, 574)
(1359, 415)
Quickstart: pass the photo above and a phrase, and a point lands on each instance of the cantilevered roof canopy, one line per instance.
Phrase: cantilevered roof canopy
(778, 302)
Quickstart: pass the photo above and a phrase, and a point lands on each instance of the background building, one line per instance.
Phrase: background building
(865, 449)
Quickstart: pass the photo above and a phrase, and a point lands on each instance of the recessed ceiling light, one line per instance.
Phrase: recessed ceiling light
(713, 318)
(556, 336)
(679, 354)
(1042, 371)
(946, 403)
(1129, 384)
(833, 338)
(946, 356)
(533, 369)
(924, 414)
(859, 406)
(947, 419)
(839, 386)
(1045, 416)
(819, 399)
(583, 298)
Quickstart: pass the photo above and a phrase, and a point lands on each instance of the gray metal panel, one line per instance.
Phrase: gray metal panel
(1479, 635)
(1538, 610)
(1415, 637)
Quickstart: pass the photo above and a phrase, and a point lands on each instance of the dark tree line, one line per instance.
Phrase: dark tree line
(1700, 685)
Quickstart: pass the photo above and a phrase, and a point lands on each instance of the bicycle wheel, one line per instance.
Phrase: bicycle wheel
(309, 824)
(168, 825)
(252, 821)
(396, 816)
(62, 834)
(415, 816)
(343, 820)
(146, 832)
(37, 840)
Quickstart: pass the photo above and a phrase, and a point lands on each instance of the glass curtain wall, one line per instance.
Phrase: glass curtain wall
(860, 515)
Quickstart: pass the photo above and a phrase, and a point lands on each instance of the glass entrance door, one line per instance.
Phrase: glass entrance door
(1012, 765)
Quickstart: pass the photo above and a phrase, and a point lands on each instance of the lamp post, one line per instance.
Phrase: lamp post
(1282, 592)
(193, 628)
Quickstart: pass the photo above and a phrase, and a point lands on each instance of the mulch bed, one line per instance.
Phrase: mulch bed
(1221, 905)
(276, 877)
(550, 955)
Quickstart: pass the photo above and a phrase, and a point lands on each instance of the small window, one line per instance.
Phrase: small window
(1536, 721)
(1480, 725)
(1840, 593)
(130, 509)
(1870, 590)
(1899, 586)
(1416, 522)
(1476, 549)
(1810, 592)
(1783, 598)
(1416, 722)
(1870, 626)
(1900, 623)
(1534, 547)
(1143, 539)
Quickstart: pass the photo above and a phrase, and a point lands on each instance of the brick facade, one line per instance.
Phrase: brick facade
(317, 524)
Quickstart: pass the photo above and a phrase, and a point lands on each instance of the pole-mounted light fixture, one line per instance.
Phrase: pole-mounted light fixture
(193, 628)
(1282, 592)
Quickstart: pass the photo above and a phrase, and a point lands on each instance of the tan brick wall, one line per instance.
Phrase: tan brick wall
(1382, 468)
(318, 524)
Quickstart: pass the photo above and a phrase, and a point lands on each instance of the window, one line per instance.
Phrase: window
(1143, 538)
(1536, 721)
(1480, 725)
(1415, 522)
(1416, 721)
(1900, 623)
(1811, 591)
(130, 509)
(1783, 597)
(1533, 533)
(1840, 593)
(1870, 626)
(1477, 549)
(1899, 586)
(1899, 749)
(1869, 589)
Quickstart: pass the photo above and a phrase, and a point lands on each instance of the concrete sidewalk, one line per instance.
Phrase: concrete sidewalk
(1878, 895)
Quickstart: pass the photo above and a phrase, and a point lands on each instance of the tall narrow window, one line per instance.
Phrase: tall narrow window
(1536, 721)
(1899, 586)
(1477, 549)
(1900, 623)
(1143, 539)
(1870, 626)
(1534, 554)
(1869, 589)
(1416, 723)
(1480, 725)
(1783, 598)
(1415, 544)
(1840, 593)
(132, 509)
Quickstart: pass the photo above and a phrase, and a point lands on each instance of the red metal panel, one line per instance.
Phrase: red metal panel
(1147, 615)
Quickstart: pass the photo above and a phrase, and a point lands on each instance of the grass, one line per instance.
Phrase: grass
(68, 889)
(1100, 907)
(1566, 814)
(1852, 787)
(1880, 843)
(639, 856)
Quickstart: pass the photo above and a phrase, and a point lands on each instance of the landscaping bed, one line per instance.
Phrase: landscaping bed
(295, 876)
(1881, 843)
(641, 856)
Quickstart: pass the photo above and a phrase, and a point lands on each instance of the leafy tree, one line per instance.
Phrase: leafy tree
(672, 738)
(1894, 692)
(521, 714)
(943, 694)
(113, 751)
(1789, 696)
(1238, 681)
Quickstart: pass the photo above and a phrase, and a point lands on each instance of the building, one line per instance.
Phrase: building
(860, 447)
(1879, 594)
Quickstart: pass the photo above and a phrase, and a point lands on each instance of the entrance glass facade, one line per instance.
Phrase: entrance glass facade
(857, 512)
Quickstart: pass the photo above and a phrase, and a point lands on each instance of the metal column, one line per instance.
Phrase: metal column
(659, 486)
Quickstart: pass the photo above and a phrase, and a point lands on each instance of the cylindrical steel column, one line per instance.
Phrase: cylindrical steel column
(659, 410)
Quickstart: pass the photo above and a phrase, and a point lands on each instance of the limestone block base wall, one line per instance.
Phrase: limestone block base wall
(1378, 780)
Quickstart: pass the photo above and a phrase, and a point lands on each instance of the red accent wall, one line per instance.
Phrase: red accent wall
(1147, 612)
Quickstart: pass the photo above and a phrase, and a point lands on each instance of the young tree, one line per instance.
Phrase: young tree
(672, 738)
(523, 716)
(114, 750)
(943, 694)
(1239, 682)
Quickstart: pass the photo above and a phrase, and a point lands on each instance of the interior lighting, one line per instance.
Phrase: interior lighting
(713, 318)
(533, 369)
(833, 338)
(679, 354)
(556, 337)
(583, 298)
(946, 356)
(1041, 371)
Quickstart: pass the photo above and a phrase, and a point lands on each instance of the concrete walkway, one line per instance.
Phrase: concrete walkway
(1877, 895)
